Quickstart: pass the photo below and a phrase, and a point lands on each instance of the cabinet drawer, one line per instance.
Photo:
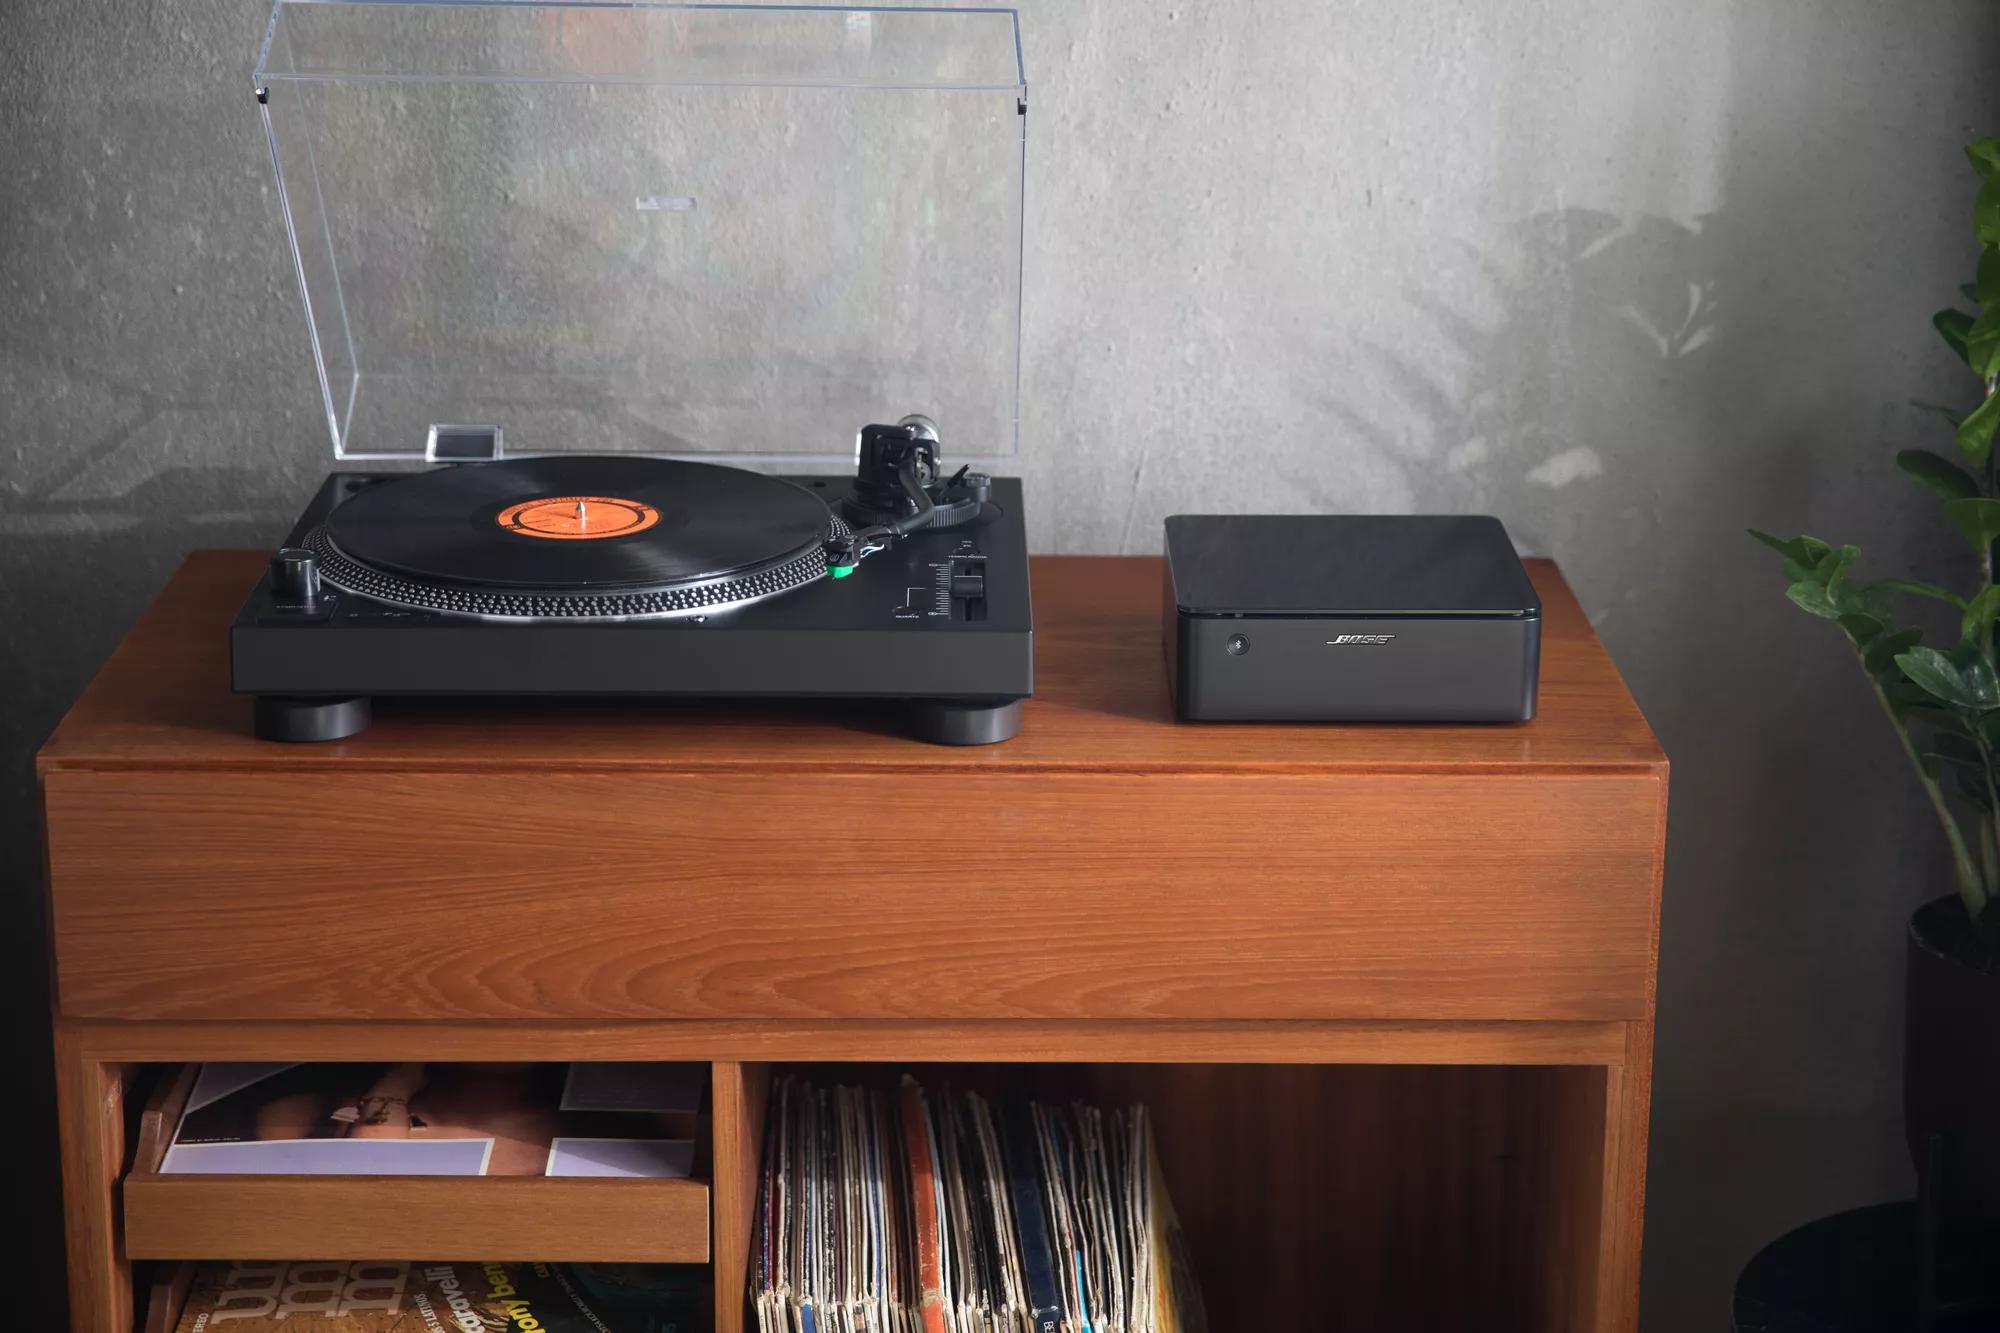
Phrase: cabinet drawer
(445, 1218)
(944, 895)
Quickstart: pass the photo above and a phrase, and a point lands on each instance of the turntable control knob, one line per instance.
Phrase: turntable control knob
(295, 576)
(966, 587)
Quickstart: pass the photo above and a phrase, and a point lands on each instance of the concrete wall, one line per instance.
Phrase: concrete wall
(1629, 274)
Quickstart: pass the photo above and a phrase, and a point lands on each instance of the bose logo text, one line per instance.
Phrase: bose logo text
(1343, 640)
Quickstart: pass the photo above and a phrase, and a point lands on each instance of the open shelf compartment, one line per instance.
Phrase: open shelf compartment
(1312, 1195)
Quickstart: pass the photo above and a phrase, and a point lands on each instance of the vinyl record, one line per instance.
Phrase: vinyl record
(584, 524)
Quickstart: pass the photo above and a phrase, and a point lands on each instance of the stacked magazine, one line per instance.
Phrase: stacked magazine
(377, 1296)
(887, 1212)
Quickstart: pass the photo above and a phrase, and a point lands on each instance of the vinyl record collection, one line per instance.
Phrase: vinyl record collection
(885, 1212)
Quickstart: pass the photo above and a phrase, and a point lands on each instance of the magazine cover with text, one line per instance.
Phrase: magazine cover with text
(373, 1296)
(434, 1119)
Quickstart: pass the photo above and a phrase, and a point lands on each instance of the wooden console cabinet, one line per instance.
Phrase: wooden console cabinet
(1387, 990)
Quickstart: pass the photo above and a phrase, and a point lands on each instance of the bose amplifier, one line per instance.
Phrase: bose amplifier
(1339, 618)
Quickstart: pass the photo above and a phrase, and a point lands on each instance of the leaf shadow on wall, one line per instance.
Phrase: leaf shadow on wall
(1628, 394)
(1511, 422)
(92, 516)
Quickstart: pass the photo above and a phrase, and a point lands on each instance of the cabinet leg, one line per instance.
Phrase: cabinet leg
(1594, 1135)
(736, 1110)
(90, 1107)
(1627, 1102)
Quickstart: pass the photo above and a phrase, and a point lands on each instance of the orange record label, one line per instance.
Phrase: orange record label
(574, 518)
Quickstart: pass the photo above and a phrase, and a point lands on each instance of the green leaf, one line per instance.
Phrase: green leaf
(1931, 713)
(1811, 597)
(1861, 627)
(1986, 213)
(1918, 589)
(1912, 703)
(1984, 154)
(1938, 473)
(1958, 749)
(1881, 654)
(1975, 433)
(1972, 765)
(1984, 684)
(1976, 626)
(1934, 674)
(1801, 554)
(1949, 414)
(1978, 519)
(1870, 600)
(1832, 568)
(1902, 690)
(1982, 344)
(1814, 550)
(1955, 326)
(1793, 550)
(1985, 288)
(1975, 669)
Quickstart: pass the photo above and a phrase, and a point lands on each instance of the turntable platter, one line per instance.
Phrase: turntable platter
(580, 537)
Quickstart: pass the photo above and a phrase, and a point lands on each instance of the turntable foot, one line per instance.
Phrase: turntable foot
(283, 718)
(951, 722)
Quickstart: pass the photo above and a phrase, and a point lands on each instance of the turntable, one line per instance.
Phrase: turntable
(683, 339)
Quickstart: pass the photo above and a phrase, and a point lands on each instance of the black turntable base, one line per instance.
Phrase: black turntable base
(616, 576)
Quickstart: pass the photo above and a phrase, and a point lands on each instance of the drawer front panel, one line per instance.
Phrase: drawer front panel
(471, 1219)
(429, 895)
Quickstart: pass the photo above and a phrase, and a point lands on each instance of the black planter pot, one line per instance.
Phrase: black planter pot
(1951, 1062)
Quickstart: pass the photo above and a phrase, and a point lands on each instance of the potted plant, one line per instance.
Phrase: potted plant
(1943, 702)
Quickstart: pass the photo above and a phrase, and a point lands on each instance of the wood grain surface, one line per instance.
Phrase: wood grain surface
(887, 1041)
(91, 1113)
(161, 1118)
(453, 1218)
(742, 1091)
(90, 1110)
(163, 701)
(335, 894)
(1628, 1115)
